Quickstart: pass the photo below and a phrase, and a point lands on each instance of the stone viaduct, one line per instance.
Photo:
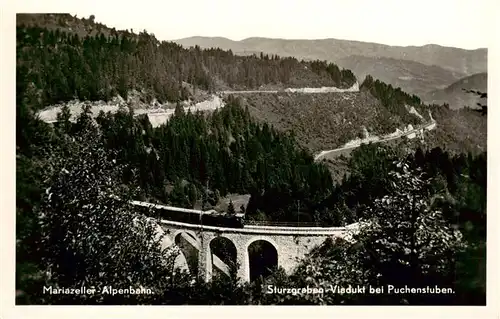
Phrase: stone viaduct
(288, 245)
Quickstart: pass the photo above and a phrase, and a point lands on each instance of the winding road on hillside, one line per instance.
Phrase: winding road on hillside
(305, 90)
(331, 153)
(247, 92)
(159, 116)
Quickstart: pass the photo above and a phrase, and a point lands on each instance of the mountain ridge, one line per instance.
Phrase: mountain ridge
(413, 77)
(325, 39)
(473, 61)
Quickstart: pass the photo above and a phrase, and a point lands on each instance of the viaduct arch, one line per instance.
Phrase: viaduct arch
(291, 244)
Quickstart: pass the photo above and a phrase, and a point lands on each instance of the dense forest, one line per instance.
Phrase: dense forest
(56, 66)
(226, 151)
(142, 164)
(424, 211)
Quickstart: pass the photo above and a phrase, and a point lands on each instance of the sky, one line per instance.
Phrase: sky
(458, 23)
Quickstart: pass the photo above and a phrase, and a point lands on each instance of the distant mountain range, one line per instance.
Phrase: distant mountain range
(452, 59)
(416, 69)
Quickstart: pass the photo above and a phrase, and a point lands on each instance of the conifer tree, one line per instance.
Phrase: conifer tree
(230, 208)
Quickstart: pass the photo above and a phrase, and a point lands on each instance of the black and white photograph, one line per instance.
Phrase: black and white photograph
(250, 153)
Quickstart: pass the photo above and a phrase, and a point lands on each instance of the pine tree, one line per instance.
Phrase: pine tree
(230, 208)
(63, 119)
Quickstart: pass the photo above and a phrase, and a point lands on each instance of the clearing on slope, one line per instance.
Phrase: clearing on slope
(325, 121)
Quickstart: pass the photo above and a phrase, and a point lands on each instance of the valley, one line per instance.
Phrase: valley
(205, 168)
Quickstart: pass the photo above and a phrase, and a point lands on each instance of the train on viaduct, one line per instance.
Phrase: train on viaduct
(201, 234)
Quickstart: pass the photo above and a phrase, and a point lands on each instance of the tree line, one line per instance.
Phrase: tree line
(55, 65)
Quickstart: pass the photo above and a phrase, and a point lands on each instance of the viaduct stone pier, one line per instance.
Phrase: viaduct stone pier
(285, 245)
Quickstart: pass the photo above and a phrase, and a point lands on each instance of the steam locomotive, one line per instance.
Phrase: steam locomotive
(191, 216)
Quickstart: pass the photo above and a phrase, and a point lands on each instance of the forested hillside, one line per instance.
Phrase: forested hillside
(323, 121)
(61, 58)
(425, 209)
(57, 65)
(457, 130)
(328, 121)
(126, 156)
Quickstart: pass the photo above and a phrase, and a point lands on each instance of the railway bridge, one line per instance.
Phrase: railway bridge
(252, 248)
